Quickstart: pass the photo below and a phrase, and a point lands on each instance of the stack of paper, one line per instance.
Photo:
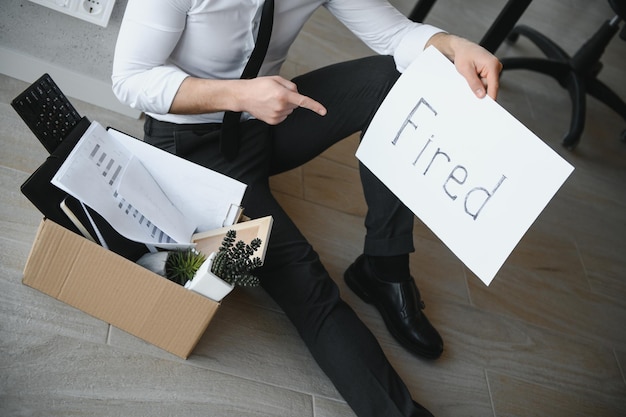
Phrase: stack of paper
(145, 193)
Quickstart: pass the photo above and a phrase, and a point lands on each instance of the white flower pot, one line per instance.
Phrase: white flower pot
(207, 283)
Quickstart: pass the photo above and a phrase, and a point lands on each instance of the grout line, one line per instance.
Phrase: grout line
(108, 337)
(619, 366)
(470, 301)
(493, 404)
(582, 264)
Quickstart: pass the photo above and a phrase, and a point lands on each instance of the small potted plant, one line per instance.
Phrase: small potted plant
(181, 265)
(217, 275)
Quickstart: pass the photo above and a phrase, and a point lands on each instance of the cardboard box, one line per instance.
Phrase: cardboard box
(107, 284)
(109, 287)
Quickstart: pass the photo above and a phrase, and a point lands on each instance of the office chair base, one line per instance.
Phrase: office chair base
(577, 74)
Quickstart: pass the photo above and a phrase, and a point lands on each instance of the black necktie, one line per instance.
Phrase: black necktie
(229, 138)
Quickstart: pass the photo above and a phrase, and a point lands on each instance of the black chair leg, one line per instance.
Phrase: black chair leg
(576, 73)
(569, 80)
(556, 69)
(603, 93)
(576, 87)
(545, 44)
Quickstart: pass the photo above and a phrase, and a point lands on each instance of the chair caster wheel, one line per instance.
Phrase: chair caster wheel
(570, 141)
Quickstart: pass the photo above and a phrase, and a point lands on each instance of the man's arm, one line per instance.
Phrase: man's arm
(387, 31)
(270, 99)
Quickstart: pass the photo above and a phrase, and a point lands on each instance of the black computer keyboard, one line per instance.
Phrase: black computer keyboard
(47, 112)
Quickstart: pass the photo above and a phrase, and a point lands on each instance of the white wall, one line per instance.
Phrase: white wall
(77, 54)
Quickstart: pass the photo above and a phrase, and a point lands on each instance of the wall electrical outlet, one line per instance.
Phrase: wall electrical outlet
(94, 11)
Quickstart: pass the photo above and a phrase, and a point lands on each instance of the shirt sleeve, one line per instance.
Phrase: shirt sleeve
(383, 28)
(142, 78)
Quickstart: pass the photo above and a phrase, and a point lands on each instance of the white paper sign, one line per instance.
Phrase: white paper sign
(469, 170)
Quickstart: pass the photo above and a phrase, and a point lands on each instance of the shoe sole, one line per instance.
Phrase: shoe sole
(353, 284)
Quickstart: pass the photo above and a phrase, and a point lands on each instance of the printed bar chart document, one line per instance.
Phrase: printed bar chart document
(146, 194)
(468, 169)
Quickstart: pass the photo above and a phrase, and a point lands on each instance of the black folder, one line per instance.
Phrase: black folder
(47, 198)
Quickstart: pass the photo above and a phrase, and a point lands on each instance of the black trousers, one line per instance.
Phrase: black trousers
(293, 274)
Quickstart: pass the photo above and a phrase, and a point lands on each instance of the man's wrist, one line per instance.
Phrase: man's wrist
(445, 43)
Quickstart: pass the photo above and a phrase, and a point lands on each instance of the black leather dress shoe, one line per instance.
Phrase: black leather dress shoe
(400, 306)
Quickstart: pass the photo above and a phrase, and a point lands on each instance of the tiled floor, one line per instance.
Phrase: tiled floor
(547, 338)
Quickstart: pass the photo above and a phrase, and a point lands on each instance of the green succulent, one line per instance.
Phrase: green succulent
(181, 265)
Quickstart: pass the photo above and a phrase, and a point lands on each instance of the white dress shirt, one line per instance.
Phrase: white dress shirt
(161, 42)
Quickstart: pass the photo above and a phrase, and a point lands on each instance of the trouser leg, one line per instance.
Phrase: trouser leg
(352, 92)
(339, 341)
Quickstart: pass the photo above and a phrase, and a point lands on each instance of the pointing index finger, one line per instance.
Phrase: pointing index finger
(308, 103)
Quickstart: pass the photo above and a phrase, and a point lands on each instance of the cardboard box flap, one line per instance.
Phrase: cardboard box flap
(116, 290)
(210, 241)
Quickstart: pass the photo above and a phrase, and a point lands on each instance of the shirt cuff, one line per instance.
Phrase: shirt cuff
(412, 44)
(162, 88)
